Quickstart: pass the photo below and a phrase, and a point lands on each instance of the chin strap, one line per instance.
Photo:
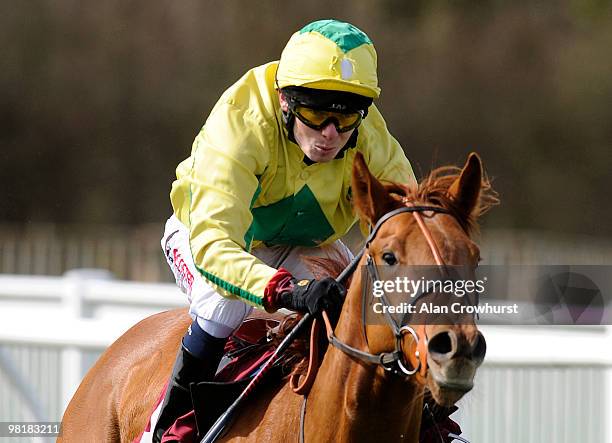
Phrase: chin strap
(289, 121)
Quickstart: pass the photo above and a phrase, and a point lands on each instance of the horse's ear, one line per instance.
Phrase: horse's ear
(370, 198)
(465, 190)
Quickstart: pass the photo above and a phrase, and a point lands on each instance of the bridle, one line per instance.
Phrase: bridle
(394, 361)
(391, 361)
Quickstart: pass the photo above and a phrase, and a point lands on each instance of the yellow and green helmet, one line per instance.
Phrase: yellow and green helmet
(330, 55)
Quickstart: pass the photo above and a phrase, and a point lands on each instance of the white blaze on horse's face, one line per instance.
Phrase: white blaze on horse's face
(450, 352)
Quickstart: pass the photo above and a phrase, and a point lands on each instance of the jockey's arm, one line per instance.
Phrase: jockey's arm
(384, 156)
(212, 195)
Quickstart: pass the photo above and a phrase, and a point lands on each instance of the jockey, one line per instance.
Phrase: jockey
(269, 180)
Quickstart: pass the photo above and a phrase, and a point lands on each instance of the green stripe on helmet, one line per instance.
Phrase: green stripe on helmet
(345, 35)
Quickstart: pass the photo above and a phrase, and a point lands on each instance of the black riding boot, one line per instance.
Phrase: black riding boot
(188, 369)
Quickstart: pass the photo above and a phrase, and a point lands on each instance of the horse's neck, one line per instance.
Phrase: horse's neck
(353, 401)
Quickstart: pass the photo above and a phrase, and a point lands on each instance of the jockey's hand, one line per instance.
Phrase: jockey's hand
(313, 296)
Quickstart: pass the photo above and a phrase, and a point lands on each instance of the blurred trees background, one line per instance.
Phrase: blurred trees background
(100, 100)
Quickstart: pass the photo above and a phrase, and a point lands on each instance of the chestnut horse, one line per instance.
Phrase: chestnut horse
(351, 400)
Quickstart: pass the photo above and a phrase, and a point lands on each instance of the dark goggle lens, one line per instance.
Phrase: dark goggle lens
(318, 119)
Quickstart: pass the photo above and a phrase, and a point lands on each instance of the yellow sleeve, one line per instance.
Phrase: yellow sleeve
(220, 184)
(385, 157)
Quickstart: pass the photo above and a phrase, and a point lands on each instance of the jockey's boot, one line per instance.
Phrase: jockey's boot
(197, 360)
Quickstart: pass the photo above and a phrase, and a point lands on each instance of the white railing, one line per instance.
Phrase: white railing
(83, 310)
(86, 310)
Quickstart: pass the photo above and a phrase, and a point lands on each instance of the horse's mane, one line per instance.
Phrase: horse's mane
(433, 189)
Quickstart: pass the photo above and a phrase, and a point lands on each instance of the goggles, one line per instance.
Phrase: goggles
(319, 119)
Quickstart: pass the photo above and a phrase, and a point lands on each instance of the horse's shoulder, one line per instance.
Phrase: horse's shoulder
(141, 360)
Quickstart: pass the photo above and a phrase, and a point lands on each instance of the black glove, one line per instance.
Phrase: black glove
(313, 296)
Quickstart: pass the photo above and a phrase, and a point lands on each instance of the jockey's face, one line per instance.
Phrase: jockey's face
(319, 145)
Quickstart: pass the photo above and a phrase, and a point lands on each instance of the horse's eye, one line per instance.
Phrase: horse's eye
(389, 258)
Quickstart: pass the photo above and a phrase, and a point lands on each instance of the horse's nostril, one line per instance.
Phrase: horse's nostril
(440, 344)
(479, 348)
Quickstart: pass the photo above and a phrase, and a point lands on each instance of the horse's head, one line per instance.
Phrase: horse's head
(444, 356)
